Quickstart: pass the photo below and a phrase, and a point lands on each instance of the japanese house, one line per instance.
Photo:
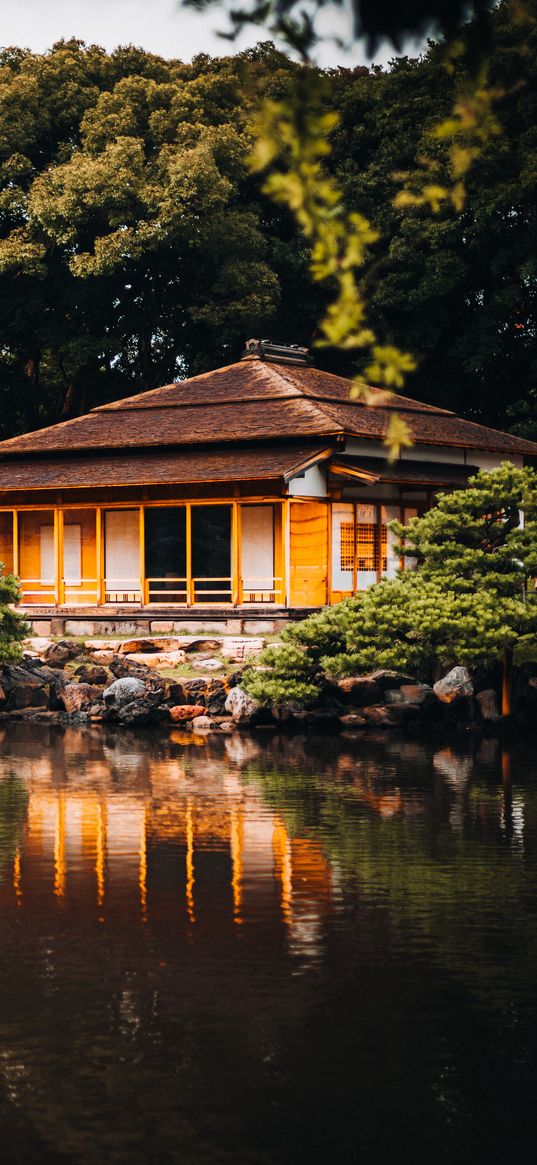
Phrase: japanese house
(251, 492)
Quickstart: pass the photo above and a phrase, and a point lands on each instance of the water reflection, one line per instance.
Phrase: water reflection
(266, 949)
(108, 825)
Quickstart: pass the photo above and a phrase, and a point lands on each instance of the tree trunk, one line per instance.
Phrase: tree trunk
(507, 679)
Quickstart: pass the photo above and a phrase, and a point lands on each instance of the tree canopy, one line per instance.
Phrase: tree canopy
(135, 247)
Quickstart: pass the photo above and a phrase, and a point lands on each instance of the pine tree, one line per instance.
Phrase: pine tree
(471, 598)
(13, 628)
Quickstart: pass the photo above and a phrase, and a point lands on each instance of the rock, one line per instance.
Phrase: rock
(239, 649)
(121, 667)
(79, 697)
(194, 645)
(488, 705)
(202, 723)
(3, 697)
(158, 658)
(456, 685)
(144, 709)
(389, 715)
(213, 724)
(409, 694)
(37, 646)
(210, 664)
(185, 712)
(96, 645)
(359, 690)
(352, 720)
(58, 654)
(105, 656)
(243, 708)
(131, 646)
(387, 679)
(124, 691)
(88, 673)
(216, 701)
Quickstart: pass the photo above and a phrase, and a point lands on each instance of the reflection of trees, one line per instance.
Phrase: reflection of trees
(426, 836)
(13, 811)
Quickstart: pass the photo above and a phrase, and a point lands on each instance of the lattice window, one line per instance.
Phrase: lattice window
(366, 546)
(347, 546)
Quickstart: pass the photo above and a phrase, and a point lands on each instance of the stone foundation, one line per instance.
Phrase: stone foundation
(100, 623)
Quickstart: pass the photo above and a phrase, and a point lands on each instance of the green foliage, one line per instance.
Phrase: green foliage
(471, 598)
(13, 628)
(136, 248)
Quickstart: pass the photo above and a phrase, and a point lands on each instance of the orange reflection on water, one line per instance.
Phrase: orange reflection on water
(237, 847)
(17, 881)
(190, 863)
(142, 879)
(60, 866)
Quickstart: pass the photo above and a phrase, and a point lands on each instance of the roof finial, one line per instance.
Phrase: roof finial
(276, 353)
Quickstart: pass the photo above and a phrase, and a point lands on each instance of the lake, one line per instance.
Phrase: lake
(266, 949)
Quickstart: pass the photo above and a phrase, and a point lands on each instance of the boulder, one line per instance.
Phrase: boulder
(185, 712)
(79, 697)
(130, 646)
(389, 715)
(144, 709)
(210, 664)
(124, 691)
(96, 645)
(360, 690)
(488, 705)
(37, 646)
(239, 649)
(104, 657)
(88, 673)
(194, 645)
(58, 654)
(409, 694)
(456, 685)
(352, 720)
(3, 697)
(202, 723)
(157, 658)
(242, 707)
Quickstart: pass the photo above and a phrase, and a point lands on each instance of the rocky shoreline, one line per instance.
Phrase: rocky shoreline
(107, 681)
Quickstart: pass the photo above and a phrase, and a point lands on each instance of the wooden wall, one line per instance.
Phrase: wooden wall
(308, 581)
(6, 541)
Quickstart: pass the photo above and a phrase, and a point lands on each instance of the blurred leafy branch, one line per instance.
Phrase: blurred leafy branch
(292, 143)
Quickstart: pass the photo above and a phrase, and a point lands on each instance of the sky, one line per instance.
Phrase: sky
(160, 26)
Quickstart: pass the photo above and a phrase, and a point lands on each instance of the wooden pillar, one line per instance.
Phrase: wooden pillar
(236, 581)
(16, 543)
(189, 584)
(286, 550)
(59, 588)
(99, 556)
(142, 555)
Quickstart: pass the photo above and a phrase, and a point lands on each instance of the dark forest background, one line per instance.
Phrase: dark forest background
(136, 249)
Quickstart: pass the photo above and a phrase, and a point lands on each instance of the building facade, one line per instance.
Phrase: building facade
(256, 490)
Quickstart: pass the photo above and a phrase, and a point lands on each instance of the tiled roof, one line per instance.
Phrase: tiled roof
(256, 400)
(176, 467)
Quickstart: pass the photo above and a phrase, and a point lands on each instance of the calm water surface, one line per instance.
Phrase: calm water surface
(266, 950)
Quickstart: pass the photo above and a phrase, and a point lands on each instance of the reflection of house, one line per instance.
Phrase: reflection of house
(257, 486)
(201, 855)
